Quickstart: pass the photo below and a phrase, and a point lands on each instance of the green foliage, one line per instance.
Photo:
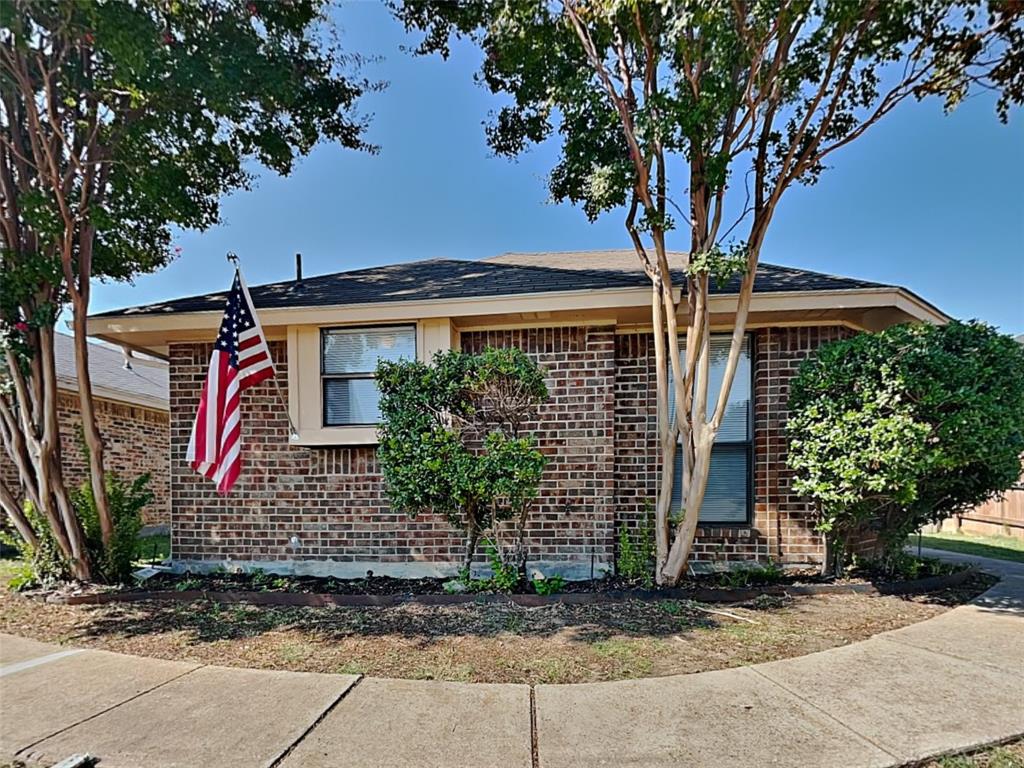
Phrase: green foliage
(114, 564)
(549, 585)
(42, 565)
(719, 265)
(708, 59)
(153, 549)
(635, 559)
(504, 575)
(177, 103)
(746, 575)
(893, 430)
(451, 438)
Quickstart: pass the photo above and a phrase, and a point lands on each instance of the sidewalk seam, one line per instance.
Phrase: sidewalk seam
(534, 738)
(898, 760)
(24, 750)
(319, 719)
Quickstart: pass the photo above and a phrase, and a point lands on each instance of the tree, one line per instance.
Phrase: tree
(705, 112)
(893, 430)
(452, 440)
(119, 121)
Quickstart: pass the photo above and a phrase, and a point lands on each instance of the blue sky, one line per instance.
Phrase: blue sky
(931, 202)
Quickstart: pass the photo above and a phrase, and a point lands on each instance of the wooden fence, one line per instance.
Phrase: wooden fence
(1003, 516)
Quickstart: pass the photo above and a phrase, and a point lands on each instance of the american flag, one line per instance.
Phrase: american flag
(240, 360)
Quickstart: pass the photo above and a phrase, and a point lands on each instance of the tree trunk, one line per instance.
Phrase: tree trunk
(90, 430)
(10, 504)
(472, 535)
(828, 563)
(79, 289)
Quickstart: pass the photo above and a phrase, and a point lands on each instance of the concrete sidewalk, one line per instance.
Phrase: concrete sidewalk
(947, 684)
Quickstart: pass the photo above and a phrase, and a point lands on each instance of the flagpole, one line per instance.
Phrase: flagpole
(293, 432)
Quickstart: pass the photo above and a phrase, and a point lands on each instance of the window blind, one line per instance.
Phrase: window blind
(348, 359)
(727, 497)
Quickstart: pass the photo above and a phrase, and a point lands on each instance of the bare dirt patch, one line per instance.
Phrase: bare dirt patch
(497, 642)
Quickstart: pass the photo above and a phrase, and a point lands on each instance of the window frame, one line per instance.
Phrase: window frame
(355, 375)
(749, 443)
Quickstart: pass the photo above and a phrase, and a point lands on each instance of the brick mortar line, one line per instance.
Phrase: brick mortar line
(316, 722)
(24, 750)
(830, 716)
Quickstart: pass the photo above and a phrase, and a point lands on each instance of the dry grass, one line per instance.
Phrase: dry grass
(1006, 756)
(475, 642)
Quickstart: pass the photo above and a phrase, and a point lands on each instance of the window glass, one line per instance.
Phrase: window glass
(357, 350)
(348, 360)
(727, 497)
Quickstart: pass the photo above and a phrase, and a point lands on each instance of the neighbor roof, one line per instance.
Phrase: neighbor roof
(507, 275)
(143, 383)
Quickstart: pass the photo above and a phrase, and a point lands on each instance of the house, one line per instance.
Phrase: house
(132, 414)
(316, 504)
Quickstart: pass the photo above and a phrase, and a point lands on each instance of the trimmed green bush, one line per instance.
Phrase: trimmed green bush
(894, 430)
(453, 440)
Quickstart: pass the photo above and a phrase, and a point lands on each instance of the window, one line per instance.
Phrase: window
(727, 498)
(348, 358)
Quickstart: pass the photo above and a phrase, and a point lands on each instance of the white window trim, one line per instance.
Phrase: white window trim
(305, 394)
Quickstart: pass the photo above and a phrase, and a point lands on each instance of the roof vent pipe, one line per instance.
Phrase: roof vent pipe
(298, 267)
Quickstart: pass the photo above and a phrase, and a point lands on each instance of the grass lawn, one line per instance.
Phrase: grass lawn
(153, 549)
(998, 547)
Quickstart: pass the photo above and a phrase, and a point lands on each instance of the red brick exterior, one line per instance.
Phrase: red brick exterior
(136, 439)
(598, 431)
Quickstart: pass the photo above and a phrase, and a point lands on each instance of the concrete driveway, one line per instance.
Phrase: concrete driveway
(947, 684)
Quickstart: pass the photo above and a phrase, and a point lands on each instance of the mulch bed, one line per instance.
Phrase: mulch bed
(496, 640)
(267, 589)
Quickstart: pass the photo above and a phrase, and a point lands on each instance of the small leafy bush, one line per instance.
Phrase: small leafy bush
(113, 564)
(46, 566)
(549, 586)
(746, 575)
(504, 575)
(635, 559)
(43, 565)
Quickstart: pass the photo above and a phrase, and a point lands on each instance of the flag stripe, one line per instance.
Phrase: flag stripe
(240, 359)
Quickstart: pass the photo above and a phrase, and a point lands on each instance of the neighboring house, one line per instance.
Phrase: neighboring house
(316, 503)
(131, 412)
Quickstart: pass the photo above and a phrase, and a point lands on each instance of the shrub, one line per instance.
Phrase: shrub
(893, 430)
(635, 559)
(452, 440)
(549, 586)
(42, 565)
(113, 564)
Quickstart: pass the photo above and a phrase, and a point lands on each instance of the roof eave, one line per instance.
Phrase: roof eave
(119, 329)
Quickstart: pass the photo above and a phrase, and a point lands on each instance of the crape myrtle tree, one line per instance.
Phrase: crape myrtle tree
(453, 440)
(118, 121)
(894, 430)
(700, 114)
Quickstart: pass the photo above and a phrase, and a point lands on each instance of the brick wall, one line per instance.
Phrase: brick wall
(598, 431)
(781, 523)
(333, 499)
(575, 512)
(136, 440)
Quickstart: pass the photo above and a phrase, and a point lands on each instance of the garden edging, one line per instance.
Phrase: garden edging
(704, 595)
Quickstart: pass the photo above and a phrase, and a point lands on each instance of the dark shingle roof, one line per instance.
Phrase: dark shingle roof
(505, 275)
(145, 380)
